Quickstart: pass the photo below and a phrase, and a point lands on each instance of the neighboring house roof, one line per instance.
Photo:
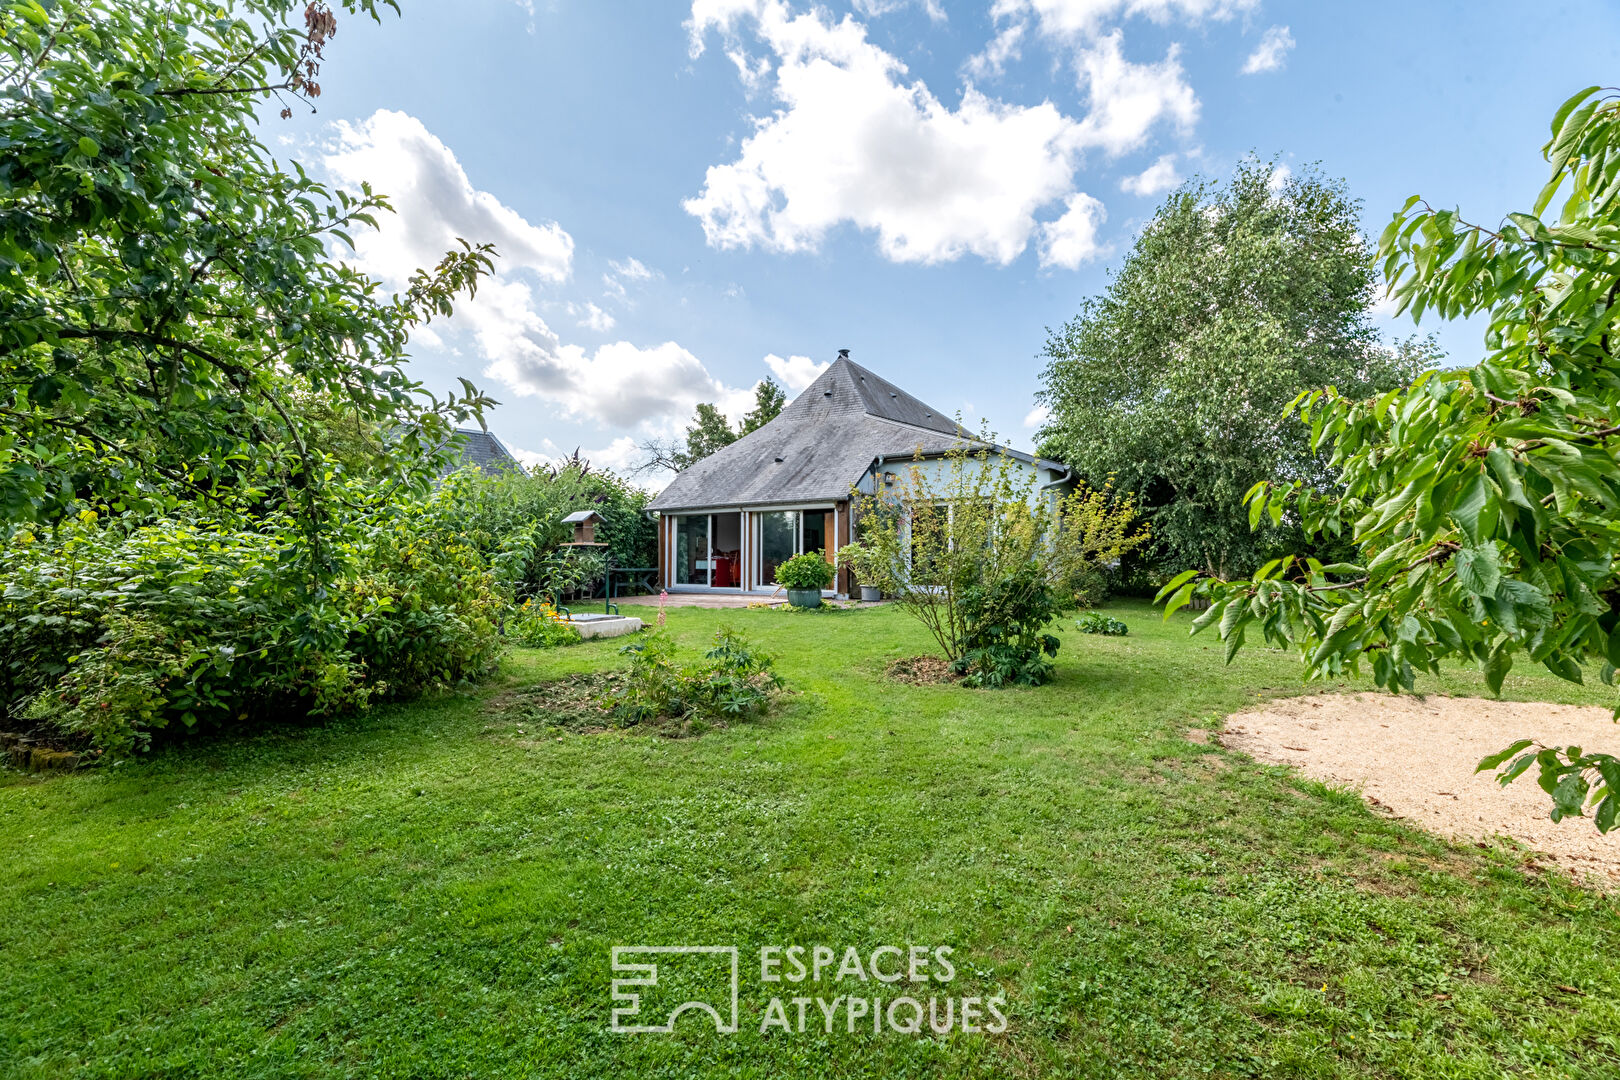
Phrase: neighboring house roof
(483, 449)
(818, 447)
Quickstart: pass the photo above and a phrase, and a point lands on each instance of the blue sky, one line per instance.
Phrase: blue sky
(689, 197)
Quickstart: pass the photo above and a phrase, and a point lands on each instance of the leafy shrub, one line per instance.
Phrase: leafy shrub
(808, 571)
(1095, 622)
(112, 631)
(985, 560)
(1005, 640)
(862, 560)
(537, 625)
(514, 519)
(732, 681)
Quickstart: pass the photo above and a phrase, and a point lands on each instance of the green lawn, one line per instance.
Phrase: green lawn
(430, 891)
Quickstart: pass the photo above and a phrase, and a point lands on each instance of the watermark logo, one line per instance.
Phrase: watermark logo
(802, 989)
(712, 975)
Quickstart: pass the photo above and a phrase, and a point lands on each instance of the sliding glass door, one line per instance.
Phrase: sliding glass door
(708, 550)
(692, 549)
(778, 541)
(782, 534)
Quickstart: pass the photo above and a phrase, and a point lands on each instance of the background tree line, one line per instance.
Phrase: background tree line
(1233, 299)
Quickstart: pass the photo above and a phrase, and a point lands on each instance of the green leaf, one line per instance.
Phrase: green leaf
(1569, 106)
(1606, 811)
(1233, 644)
(1470, 501)
(1497, 666)
(1516, 770)
(1479, 569)
(1208, 615)
(1508, 477)
(88, 146)
(1182, 598)
(1175, 583)
(1493, 760)
(1570, 794)
(1233, 614)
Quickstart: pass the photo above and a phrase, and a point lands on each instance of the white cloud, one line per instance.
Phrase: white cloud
(1154, 180)
(591, 316)
(1037, 417)
(620, 384)
(853, 141)
(620, 455)
(1271, 53)
(434, 203)
(1279, 178)
(1383, 307)
(1005, 47)
(874, 8)
(633, 269)
(1127, 99)
(1086, 18)
(630, 269)
(796, 372)
(1072, 238)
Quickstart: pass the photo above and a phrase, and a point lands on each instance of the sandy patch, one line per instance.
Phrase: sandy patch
(1416, 757)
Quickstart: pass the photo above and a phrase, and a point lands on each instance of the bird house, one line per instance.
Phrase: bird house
(585, 523)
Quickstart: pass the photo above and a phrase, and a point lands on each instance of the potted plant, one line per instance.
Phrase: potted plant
(862, 561)
(804, 577)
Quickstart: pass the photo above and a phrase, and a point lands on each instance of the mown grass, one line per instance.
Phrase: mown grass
(433, 890)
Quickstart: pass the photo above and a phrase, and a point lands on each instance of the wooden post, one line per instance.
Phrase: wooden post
(841, 535)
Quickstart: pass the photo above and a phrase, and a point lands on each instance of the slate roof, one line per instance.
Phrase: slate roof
(818, 447)
(483, 449)
(581, 515)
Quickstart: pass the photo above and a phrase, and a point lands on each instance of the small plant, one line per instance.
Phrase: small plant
(538, 625)
(733, 680)
(1095, 622)
(1005, 642)
(808, 571)
(862, 561)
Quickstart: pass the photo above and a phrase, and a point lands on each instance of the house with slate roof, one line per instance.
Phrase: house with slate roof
(727, 522)
(480, 448)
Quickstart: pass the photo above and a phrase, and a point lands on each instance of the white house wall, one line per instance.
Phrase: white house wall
(936, 474)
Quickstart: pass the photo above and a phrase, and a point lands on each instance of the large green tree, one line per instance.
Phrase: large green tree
(1234, 298)
(1484, 503)
(171, 296)
(711, 431)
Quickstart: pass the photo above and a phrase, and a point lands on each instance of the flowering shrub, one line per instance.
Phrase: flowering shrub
(985, 560)
(538, 625)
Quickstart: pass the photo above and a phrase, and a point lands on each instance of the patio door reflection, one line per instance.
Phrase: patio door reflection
(692, 549)
(778, 542)
(708, 550)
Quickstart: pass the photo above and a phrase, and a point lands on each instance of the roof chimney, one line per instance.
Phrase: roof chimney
(843, 354)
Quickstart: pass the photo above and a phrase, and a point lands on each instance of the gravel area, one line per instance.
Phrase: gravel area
(1415, 757)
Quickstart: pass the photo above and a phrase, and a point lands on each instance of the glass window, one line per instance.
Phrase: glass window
(692, 549)
(778, 542)
(929, 535)
(816, 528)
